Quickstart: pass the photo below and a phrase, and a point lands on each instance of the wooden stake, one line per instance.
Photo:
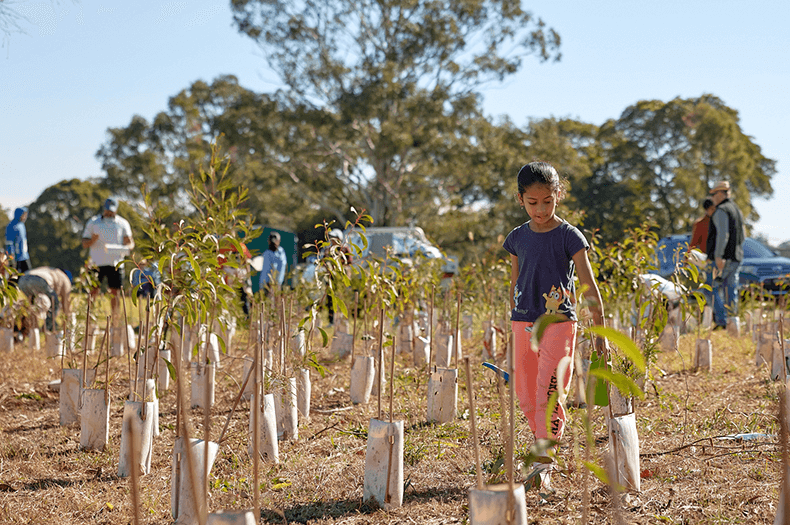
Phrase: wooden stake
(457, 334)
(392, 379)
(511, 498)
(134, 471)
(430, 330)
(107, 374)
(783, 433)
(85, 341)
(256, 409)
(191, 474)
(128, 345)
(379, 369)
(782, 345)
(473, 419)
(354, 335)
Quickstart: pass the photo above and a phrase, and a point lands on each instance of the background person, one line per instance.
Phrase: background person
(52, 283)
(16, 240)
(275, 262)
(699, 233)
(109, 238)
(699, 242)
(725, 252)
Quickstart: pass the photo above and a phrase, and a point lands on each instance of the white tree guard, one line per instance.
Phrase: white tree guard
(203, 378)
(734, 326)
(268, 447)
(384, 464)
(304, 393)
(443, 395)
(285, 403)
(232, 517)
(363, 372)
(94, 420)
(490, 505)
(143, 429)
(624, 439)
(442, 350)
(299, 343)
(162, 373)
(34, 339)
(183, 501)
(422, 350)
(703, 358)
(69, 394)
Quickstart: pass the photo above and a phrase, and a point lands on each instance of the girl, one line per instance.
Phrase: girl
(544, 252)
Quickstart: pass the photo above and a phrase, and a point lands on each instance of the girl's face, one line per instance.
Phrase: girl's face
(540, 201)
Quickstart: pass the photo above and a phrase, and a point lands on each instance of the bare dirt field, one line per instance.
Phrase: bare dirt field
(689, 474)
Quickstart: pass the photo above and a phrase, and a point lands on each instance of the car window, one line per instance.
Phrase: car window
(753, 249)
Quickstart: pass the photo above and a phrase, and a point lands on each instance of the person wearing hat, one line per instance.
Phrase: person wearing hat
(725, 252)
(108, 238)
(16, 240)
(274, 265)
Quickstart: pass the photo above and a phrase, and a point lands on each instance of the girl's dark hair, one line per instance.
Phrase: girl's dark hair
(539, 173)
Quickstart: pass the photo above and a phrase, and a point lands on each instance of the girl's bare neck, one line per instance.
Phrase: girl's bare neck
(547, 227)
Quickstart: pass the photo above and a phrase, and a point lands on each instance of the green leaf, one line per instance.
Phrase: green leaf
(597, 471)
(620, 381)
(543, 322)
(324, 336)
(341, 305)
(624, 343)
(170, 369)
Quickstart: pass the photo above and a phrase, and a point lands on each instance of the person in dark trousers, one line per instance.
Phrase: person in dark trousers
(725, 252)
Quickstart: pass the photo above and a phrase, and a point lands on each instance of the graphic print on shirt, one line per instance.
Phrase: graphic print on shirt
(554, 299)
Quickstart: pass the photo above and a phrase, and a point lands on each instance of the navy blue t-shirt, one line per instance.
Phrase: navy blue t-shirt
(545, 270)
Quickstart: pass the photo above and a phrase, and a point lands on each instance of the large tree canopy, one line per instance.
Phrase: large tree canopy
(657, 161)
(393, 78)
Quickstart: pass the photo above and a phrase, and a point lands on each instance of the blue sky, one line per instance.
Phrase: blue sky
(83, 67)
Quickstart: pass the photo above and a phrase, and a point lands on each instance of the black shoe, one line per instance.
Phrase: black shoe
(720, 327)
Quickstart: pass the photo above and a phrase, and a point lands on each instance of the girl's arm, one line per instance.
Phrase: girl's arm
(513, 279)
(591, 292)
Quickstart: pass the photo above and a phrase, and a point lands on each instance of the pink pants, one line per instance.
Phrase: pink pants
(536, 374)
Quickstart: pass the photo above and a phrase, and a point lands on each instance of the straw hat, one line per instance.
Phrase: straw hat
(722, 185)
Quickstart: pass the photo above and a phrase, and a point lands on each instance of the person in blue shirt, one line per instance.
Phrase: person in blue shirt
(16, 240)
(274, 265)
(147, 279)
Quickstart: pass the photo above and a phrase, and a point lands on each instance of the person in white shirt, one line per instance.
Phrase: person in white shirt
(51, 282)
(109, 239)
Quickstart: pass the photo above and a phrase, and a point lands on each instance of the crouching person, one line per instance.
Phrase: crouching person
(52, 283)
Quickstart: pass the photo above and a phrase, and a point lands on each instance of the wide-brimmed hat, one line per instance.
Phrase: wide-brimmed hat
(722, 185)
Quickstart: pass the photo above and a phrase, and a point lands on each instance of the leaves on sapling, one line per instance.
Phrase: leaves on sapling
(624, 343)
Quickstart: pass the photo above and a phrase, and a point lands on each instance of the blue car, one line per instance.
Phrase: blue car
(761, 266)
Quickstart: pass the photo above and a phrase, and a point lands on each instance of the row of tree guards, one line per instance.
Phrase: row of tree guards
(279, 393)
(276, 401)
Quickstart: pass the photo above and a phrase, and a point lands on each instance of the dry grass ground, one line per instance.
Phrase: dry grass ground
(688, 474)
